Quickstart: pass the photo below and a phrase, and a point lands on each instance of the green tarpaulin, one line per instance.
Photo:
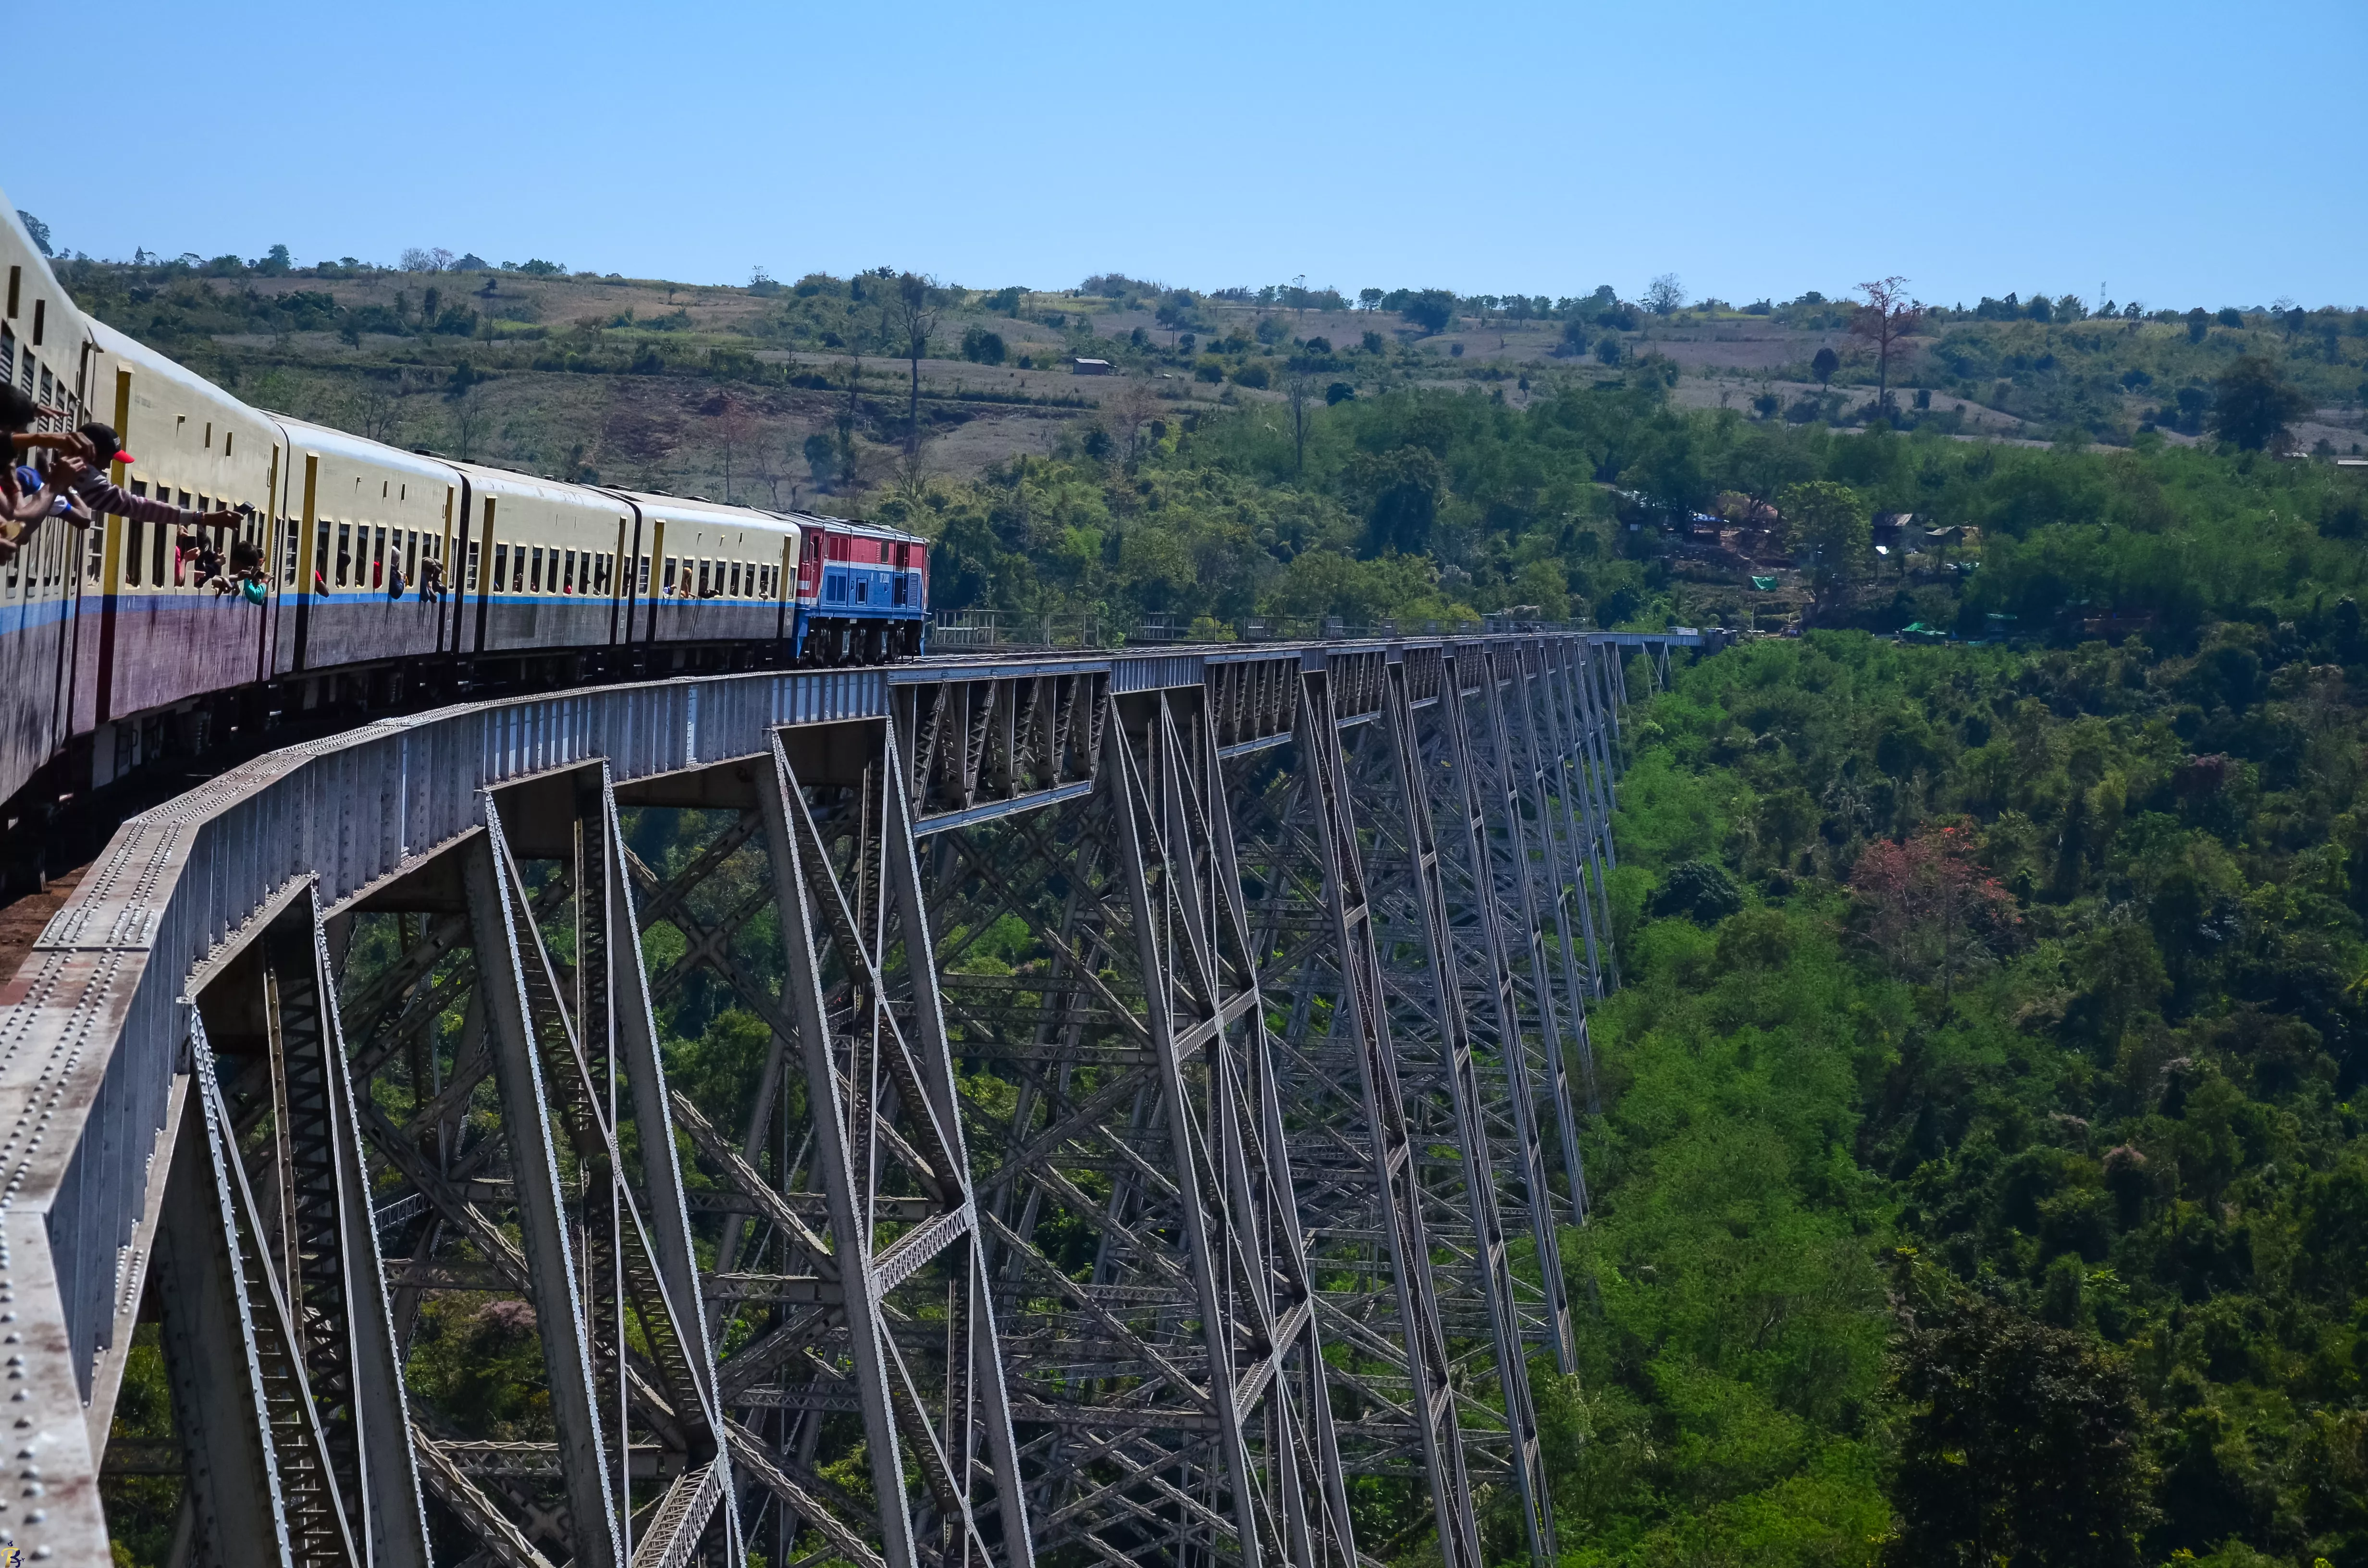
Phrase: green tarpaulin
(1765, 584)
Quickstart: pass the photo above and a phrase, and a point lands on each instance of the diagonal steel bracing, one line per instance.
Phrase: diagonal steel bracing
(1169, 1382)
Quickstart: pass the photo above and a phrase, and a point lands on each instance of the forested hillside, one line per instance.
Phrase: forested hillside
(1420, 506)
(1983, 1178)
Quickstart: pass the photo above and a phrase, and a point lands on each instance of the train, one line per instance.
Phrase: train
(387, 576)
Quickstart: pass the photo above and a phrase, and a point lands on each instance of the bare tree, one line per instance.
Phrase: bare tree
(1665, 296)
(1127, 411)
(910, 315)
(764, 467)
(1887, 316)
(911, 484)
(441, 260)
(374, 410)
(468, 423)
(735, 430)
(848, 459)
(1299, 387)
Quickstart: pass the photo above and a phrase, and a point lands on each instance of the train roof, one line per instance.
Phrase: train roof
(705, 514)
(111, 341)
(853, 526)
(498, 482)
(327, 439)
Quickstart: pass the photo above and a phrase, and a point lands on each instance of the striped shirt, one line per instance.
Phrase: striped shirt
(101, 494)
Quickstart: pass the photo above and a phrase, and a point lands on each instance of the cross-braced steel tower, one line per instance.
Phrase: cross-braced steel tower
(1155, 1104)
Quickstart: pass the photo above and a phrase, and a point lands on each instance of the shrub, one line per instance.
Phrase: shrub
(982, 346)
(1700, 891)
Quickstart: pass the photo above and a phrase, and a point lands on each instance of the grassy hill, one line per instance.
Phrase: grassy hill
(715, 390)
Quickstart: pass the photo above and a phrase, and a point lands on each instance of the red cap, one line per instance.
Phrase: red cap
(125, 457)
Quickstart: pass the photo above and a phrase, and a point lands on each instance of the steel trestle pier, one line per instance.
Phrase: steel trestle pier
(1139, 1098)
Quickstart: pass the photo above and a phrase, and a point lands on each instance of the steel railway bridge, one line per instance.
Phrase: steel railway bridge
(1172, 1094)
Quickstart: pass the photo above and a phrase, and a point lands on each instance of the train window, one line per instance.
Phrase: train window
(135, 535)
(156, 558)
(535, 581)
(210, 435)
(473, 566)
(7, 354)
(378, 559)
(735, 580)
(228, 436)
(667, 578)
(41, 317)
(642, 576)
(863, 590)
(518, 571)
(702, 579)
(501, 566)
(567, 583)
(344, 553)
(95, 568)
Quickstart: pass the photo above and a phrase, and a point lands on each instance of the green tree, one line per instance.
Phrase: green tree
(2253, 403)
(1432, 310)
(1831, 522)
(1400, 491)
(37, 230)
(2020, 1449)
(983, 347)
(1824, 366)
(822, 458)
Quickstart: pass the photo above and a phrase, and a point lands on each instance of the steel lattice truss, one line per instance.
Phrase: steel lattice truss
(1163, 1108)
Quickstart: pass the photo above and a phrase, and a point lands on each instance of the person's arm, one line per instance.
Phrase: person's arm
(18, 506)
(103, 495)
(72, 441)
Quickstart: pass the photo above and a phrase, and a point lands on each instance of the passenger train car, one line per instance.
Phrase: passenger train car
(113, 655)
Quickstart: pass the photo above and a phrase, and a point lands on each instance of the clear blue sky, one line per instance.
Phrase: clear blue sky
(2179, 153)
